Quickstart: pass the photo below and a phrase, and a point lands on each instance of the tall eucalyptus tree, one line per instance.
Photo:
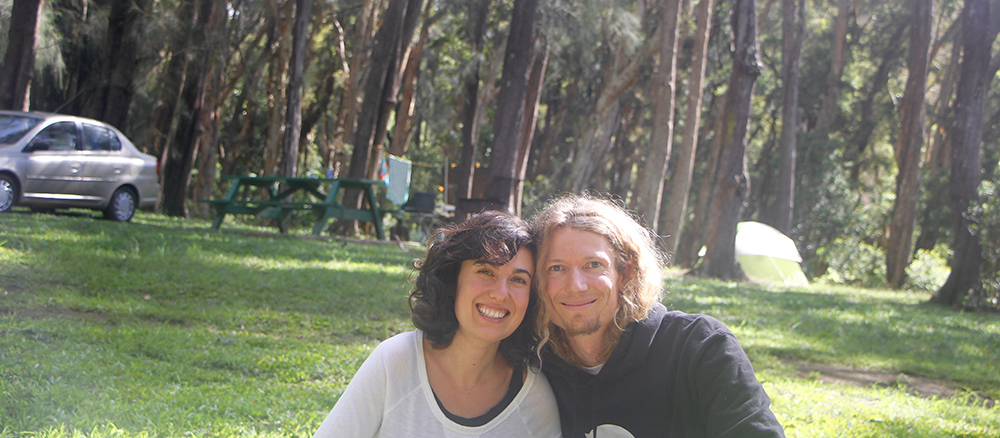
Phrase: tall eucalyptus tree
(979, 33)
(649, 186)
(19, 61)
(501, 189)
(733, 182)
(899, 251)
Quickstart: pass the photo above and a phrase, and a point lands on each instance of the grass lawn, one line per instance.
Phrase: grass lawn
(161, 327)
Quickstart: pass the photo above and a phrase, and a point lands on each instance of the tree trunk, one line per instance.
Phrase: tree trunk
(19, 61)
(380, 89)
(680, 182)
(793, 17)
(277, 76)
(121, 63)
(382, 79)
(180, 157)
(733, 182)
(595, 134)
(502, 186)
(402, 132)
(973, 85)
(828, 107)
(899, 252)
(293, 115)
(470, 118)
(347, 113)
(536, 78)
(694, 239)
(649, 186)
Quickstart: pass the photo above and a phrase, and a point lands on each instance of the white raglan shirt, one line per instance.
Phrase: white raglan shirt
(390, 397)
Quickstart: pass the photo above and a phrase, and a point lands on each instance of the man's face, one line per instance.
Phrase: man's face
(581, 281)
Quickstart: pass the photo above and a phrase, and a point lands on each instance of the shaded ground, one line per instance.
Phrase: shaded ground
(844, 375)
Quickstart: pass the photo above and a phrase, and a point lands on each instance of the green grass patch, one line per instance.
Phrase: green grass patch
(162, 327)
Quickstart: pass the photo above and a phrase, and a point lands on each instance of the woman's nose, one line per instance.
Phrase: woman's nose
(500, 292)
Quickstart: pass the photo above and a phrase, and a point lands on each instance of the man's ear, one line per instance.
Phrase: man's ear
(626, 273)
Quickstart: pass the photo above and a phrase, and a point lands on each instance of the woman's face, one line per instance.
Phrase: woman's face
(492, 299)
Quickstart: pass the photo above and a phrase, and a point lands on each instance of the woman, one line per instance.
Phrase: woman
(469, 368)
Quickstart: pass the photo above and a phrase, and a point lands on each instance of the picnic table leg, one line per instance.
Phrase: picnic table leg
(220, 210)
(220, 214)
(330, 201)
(376, 217)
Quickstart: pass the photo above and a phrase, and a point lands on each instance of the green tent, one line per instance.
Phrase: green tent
(767, 255)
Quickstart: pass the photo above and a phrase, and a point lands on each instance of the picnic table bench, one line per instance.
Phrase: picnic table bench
(244, 197)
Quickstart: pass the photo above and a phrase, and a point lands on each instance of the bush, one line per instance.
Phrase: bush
(854, 262)
(929, 269)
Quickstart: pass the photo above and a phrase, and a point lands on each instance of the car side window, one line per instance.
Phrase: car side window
(59, 136)
(100, 138)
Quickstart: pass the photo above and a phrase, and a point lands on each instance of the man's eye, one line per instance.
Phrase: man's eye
(556, 268)
(594, 265)
(520, 280)
(485, 271)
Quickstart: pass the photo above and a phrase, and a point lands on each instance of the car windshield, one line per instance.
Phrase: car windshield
(13, 127)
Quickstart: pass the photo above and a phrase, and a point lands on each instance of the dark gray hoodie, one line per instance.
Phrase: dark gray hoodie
(671, 375)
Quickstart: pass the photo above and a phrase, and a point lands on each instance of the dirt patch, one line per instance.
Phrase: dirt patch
(916, 385)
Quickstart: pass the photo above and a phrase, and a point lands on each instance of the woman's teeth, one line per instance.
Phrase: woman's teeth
(491, 313)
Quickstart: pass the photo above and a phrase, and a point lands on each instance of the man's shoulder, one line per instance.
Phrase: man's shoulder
(667, 322)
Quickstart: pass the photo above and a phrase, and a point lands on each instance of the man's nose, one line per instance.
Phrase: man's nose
(578, 281)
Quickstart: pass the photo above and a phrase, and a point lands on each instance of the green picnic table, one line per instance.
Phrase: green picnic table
(245, 197)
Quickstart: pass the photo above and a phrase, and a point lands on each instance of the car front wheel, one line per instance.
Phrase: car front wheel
(8, 193)
(122, 205)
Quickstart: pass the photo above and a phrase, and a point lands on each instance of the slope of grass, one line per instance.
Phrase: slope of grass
(162, 327)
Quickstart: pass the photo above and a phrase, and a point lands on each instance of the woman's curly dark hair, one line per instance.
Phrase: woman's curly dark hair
(492, 236)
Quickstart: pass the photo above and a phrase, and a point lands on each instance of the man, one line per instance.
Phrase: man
(619, 363)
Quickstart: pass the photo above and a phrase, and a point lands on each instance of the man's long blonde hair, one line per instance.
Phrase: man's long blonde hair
(636, 259)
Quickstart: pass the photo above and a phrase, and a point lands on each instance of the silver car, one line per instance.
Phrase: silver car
(52, 161)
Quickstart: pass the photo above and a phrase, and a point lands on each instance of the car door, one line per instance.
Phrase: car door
(52, 163)
(104, 165)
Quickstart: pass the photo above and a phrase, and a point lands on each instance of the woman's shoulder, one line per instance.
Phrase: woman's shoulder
(398, 347)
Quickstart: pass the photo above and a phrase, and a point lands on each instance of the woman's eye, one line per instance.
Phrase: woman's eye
(485, 271)
(594, 265)
(556, 268)
(520, 280)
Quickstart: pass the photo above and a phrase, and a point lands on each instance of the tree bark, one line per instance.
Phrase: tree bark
(899, 252)
(973, 84)
(680, 182)
(19, 61)
(121, 63)
(380, 90)
(501, 189)
(595, 134)
(536, 78)
(293, 114)
(347, 113)
(182, 152)
(478, 13)
(382, 80)
(649, 186)
(828, 106)
(402, 132)
(278, 56)
(733, 181)
(793, 13)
